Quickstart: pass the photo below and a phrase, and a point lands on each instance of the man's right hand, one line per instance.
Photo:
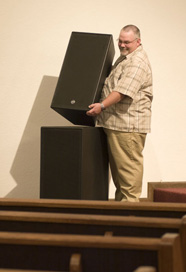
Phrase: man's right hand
(95, 109)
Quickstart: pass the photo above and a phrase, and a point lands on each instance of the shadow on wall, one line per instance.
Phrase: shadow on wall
(26, 165)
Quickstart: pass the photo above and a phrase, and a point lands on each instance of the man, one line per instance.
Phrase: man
(125, 114)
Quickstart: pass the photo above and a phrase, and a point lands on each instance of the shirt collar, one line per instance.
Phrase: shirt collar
(122, 57)
(138, 49)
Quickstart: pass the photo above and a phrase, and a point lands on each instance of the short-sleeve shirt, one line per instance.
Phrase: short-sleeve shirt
(131, 76)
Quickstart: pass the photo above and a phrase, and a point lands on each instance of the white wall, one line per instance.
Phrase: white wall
(33, 39)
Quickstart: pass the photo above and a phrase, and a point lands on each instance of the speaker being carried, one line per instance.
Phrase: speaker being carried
(86, 65)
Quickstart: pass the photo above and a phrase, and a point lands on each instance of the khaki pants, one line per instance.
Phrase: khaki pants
(126, 163)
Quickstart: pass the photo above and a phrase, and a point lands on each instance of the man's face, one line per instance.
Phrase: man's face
(127, 42)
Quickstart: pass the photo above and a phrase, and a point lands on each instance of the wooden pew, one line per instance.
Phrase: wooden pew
(90, 224)
(74, 266)
(152, 186)
(38, 251)
(37, 222)
(139, 269)
(176, 210)
(144, 269)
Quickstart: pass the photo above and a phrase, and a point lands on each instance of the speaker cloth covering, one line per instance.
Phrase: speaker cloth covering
(74, 163)
(86, 65)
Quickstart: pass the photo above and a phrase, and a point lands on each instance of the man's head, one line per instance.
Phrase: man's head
(129, 39)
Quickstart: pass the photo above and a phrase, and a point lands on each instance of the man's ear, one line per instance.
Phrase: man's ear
(139, 41)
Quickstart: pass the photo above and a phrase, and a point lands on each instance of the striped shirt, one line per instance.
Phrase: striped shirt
(131, 76)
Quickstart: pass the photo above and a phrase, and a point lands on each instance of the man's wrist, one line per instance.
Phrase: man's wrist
(102, 106)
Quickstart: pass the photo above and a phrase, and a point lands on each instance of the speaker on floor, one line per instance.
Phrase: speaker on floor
(86, 65)
(74, 163)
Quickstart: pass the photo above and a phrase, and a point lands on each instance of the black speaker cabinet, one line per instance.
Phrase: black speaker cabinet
(86, 65)
(74, 163)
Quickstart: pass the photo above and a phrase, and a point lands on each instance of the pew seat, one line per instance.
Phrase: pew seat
(177, 195)
(153, 191)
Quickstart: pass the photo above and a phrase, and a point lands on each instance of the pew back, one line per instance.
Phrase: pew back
(146, 269)
(74, 266)
(37, 251)
(139, 269)
(37, 222)
(90, 224)
(175, 210)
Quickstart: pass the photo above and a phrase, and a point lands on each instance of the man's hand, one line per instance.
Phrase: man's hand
(113, 98)
(95, 109)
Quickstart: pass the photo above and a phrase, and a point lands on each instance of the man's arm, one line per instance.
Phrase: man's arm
(111, 99)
